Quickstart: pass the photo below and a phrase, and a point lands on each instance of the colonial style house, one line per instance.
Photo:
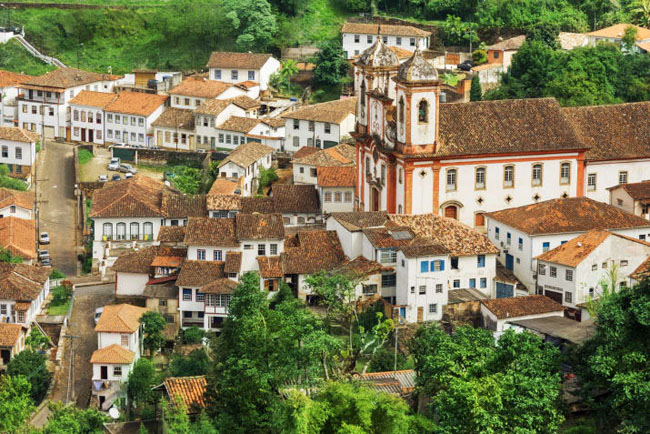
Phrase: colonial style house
(232, 132)
(633, 198)
(298, 204)
(245, 162)
(135, 270)
(18, 235)
(502, 52)
(525, 232)
(175, 129)
(119, 346)
(321, 125)
(498, 314)
(18, 148)
(23, 288)
(9, 90)
(88, 118)
(12, 342)
(269, 132)
(192, 92)
(307, 161)
(357, 37)
(130, 116)
(241, 67)
(576, 270)
(336, 188)
(44, 106)
(209, 114)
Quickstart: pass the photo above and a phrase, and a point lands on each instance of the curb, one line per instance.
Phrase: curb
(96, 283)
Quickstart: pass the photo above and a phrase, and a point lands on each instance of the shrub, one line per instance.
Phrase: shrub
(267, 177)
(193, 335)
(479, 57)
(56, 274)
(60, 295)
(84, 156)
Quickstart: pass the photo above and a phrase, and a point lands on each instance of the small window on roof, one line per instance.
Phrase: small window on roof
(402, 235)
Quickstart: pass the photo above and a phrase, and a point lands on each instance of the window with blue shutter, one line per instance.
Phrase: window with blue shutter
(483, 282)
(472, 283)
(480, 261)
(424, 267)
(546, 246)
(442, 265)
(496, 233)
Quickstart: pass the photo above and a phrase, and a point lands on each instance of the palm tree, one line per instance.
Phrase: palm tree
(641, 8)
(289, 69)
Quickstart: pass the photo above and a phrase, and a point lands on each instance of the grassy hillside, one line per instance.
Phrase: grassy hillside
(166, 35)
(13, 57)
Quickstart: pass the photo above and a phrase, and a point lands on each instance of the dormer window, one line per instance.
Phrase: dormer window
(423, 111)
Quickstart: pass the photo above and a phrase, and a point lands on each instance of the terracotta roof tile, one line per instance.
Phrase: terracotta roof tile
(333, 112)
(197, 274)
(222, 187)
(136, 103)
(139, 196)
(294, 198)
(171, 234)
(337, 176)
(618, 31)
(259, 226)
(21, 282)
(314, 251)
(22, 199)
(172, 117)
(222, 285)
(213, 107)
(200, 88)
(233, 262)
(140, 261)
(304, 151)
(340, 155)
(642, 271)
(612, 132)
(167, 261)
(204, 231)
(361, 266)
(183, 205)
(270, 267)
(16, 134)
(114, 355)
(189, 389)
(383, 29)
(513, 43)
(9, 334)
(93, 99)
(425, 248)
(120, 318)
(225, 59)
(239, 124)
(19, 236)
(577, 214)
(247, 154)
(260, 205)
(224, 202)
(11, 79)
(64, 78)
(514, 307)
(246, 102)
(359, 220)
(383, 237)
(276, 122)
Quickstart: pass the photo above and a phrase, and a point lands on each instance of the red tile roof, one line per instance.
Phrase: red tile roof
(64, 78)
(617, 31)
(93, 99)
(10, 79)
(337, 176)
(304, 151)
(113, 355)
(259, 226)
(383, 29)
(139, 196)
(189, 389)
(211, 232)
(120, 318)
(9, 334)
(19, 236)
(247, 154)
(233, 262)
(515, 307)
(16, 134)
(637, 190)
(333, 112)
(294, 198)
(312, 251)
(642, 271)
(200, 88)
(197, 274)
(225, 59)
(136, 103)
(270, 267)
(22, 199)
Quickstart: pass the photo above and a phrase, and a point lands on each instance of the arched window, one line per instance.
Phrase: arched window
(423, 111)
(135, 230)
(400, 112)
(362, 95)
(368, 168)
(480, 178)
(399, 176)
(147, 230)
(120, 230)
(451, 212)
(509, 176)
(399, 209)
(451, 179)
(565, 173)
(537, 174)
(107, 230)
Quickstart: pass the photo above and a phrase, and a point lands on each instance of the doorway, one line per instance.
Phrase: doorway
(420, 314)
(553, 295)
(90, 135)
(504, 290)
(510, 262)
(83, 134)
(374, 199)
(104, 373)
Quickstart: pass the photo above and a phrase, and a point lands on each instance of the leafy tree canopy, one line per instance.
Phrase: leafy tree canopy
(141, 378)
(195, 363)
(31, 365)
(154, 324)
(331, 66)
(15, 402)
(73, 420)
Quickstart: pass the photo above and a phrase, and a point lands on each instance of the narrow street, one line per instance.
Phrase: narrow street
(57, 204)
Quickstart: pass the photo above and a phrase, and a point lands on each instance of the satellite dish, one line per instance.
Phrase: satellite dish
(114, 413)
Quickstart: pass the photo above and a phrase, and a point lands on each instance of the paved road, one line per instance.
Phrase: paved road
(57, 209)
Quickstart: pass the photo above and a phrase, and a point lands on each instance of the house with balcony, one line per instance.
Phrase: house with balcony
(23, 288)
(119, 346)
(44, 101)
(88, 118)
(130, 117)
(18, 152)
(14, 203)
(243, 165)
(9, 89)
(234, 68)
(321, 125)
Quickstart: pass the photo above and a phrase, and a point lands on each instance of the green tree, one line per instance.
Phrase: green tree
(475, 92)
(331, 67)
(36, 340)
(458, 32)
(616, 360)
(253, 21)
(154, 324)
(546, 33)
(195, 363)
(8, 257)
(73, 420)
(176, 418)
(479, 57)
(187, 179)
(141, 379)
(629, 38)
(641, 9)
(288, 71)
(15, 402)
(31, 365)
(477, 385)
(193, 335)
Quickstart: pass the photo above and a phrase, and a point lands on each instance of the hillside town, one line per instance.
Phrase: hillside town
(206, 252)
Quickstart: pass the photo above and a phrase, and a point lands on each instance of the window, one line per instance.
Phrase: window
(162, 302)
(546, 246)
(424, 267)
(328, 196)
(75, 115)
(217, 255)
(327, 128)
(251, 75)
(422, 289)
(147, 230)
(537, 174)
(337, 196)
(5, 152)
(480, 261)
(348, 196)
(437, 265)
(594, 267)
(261, 250)
(552, 271)
(456, 284)
(623, 263)
(21, 316)
(3, 309)
(235, 140)
(451, 179)
(604, 265)
(98, 134)
(508, 238)
(107, 230)
(454, 262)
(568, 297)
(565, 173)
(121, 231)
(109, 134)
(591, 292)
(19, 153)
(187, 294)
(311, 125)
(591, 181)
(496, 233)
(310, 141)
(187, 102)
(399, 175)
(385, 39)
(200, 254)
(568, 275)
(388, 280)
(472, 283)
(483, 282)
(433, 308)
(412, 42)
(117, 371)
(248, 247)
(423, 111)
(438, 288)
(480, 178)
(296, 141)
(296, 124)
(234, 74)
(369, 39)
(273, 249)
(369, 289)
(398, 40)
(217, 74)
(200, 296)
(509, 176)
(520, 244)
(313, 172)
(124, 340)
(388, 256)
(412, 289)
(141, 122)
(357, 38)
(187, 314)
(622, 177)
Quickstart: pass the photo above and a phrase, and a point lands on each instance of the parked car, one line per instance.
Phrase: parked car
(115, 177)
(44, 238)
(46, 262)
(466, 65)
(102, 178)
(98, 313)
(127, 168)
(114, 164)
(128, 175)
(43, 254)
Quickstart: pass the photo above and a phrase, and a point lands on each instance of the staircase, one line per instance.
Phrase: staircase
(34, 52)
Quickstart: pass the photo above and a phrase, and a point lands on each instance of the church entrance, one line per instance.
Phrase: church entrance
(374, 199)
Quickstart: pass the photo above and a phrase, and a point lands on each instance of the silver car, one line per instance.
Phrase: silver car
(127, 168)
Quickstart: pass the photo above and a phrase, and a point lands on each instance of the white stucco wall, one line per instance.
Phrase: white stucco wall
(353, 48)
(607, 175)
(130, 283)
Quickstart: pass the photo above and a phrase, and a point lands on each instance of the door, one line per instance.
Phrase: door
(402, 312)
(159, 139)
(510, 262)
(83, 134)
(420, 314)
(504, 290)
(90, 136)
(374, 199)
(48, 132)
(6, 356)
(104, 373)
(557, 296)
(451, 212)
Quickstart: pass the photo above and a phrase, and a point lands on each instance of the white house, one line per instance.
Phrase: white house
(88, 120)
(9, 90)
(349, 228)
(233, 131)
(321, 125)
(192, 92)
(130, 116)
(245, 162)
(498, 313)
(119, 345)
(240, 67)
(336, 188)
(135, 269)
(298, 204)
(576, 270)
(18, 148)
(44, 106)
(24, 288)
(525, 232)
(175, 129)
(357, 37)
(14, 203)
(616, 32)
(269, 132)
(308, 160)
(210, 114)
(633, 198)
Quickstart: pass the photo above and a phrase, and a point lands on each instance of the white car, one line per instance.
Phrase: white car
(127, 168)
(128, 175)
(98, 313)
(43, 254)
(103, 178)
(114, 164)
(44, 238)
